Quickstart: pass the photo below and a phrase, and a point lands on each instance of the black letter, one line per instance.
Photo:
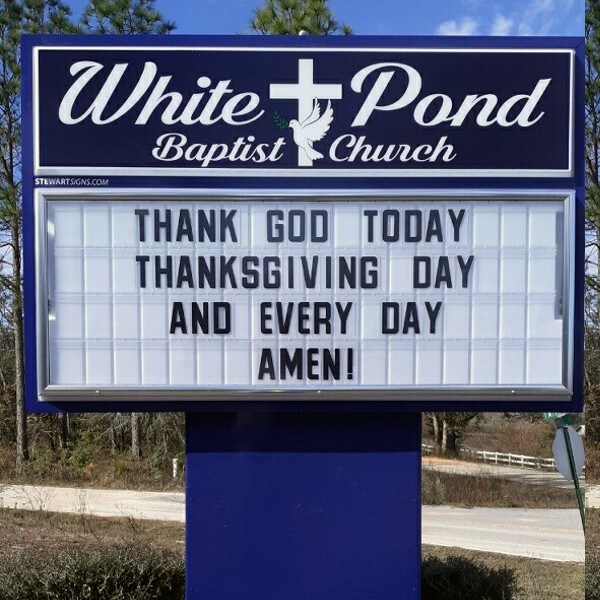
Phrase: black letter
(418, 260)
(386, 307)
(290, 364)
(184, 272)
(159, 271)
(178, 318)
(271, 215)
(394, 216)
(142, 260)
(465, 267)
(434, 227)
(218, 308)
(324, 236)
(300, 235)
(141, 213)
(456, 222)
(158, 225)
(411, 318)
(418, 215)
(184, 226)
(264, 317)
(228, 225)
(433, 313)
(206, 226)
(266, 364)
(443, 274)
(370, 214)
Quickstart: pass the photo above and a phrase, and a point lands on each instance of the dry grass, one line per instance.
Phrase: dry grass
(517, 435)
(105, 471)
(592, 462)
(592, 531)
(51, 532)
(539, 579)
(592, 554)
(469, 491)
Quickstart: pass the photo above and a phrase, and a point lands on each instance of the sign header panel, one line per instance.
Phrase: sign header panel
(289, 111)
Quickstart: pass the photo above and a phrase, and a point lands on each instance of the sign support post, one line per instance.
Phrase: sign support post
(293, 506)
(574, 475)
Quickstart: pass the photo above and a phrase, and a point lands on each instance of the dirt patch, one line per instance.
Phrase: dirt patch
(436, 460)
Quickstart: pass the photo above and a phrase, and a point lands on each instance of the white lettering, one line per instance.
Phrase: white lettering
(435, 109)
(351, 148)
(89, 70)
(220, 102)
(370, 103)
(174, 146)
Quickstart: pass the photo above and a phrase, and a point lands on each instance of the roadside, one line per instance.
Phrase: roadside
(538, 579)
(550, 534)
(592, 555)
(518, 474)
(490, 492)
(50, 533)
(592, 496)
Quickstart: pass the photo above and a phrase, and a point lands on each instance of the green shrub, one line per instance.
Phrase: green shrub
(460, 578)
(592, 576)
(133, 572)
(118, 572)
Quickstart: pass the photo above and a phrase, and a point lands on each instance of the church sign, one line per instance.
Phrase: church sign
(339, 220)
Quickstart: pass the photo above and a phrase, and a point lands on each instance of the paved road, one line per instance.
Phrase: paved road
(546, 534)
(156, 506)
(538, 477)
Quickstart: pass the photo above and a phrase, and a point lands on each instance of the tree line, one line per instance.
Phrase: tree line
(273, 17)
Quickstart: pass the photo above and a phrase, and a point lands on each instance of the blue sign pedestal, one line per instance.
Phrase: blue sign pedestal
(303, 506)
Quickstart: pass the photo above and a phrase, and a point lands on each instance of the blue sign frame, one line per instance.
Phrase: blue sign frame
(573, 181)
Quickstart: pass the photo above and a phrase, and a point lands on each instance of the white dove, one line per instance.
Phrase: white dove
(312, 129)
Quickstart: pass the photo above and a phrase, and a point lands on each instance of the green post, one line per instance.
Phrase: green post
(575, 478)
(562, 420)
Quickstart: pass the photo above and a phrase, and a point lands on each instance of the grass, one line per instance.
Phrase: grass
(469, 490)
(592, 531)
(120, 471)
(49, 533)
(592, 462)
(103, 471)
(539, 579)
(592, 554)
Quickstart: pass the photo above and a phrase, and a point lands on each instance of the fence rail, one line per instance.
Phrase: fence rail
(501, 458)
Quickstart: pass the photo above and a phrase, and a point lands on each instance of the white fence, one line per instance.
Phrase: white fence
(501, 458)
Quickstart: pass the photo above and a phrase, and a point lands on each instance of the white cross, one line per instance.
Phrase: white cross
(305, 92)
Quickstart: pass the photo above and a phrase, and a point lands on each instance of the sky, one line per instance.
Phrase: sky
(393, 17)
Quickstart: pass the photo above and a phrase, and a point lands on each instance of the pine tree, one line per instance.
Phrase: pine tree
(592, 197)
(124, 17)
(16, 17)
(281, 17)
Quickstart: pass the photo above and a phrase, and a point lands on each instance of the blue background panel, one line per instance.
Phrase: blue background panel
(576, 183)
(297, 507)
